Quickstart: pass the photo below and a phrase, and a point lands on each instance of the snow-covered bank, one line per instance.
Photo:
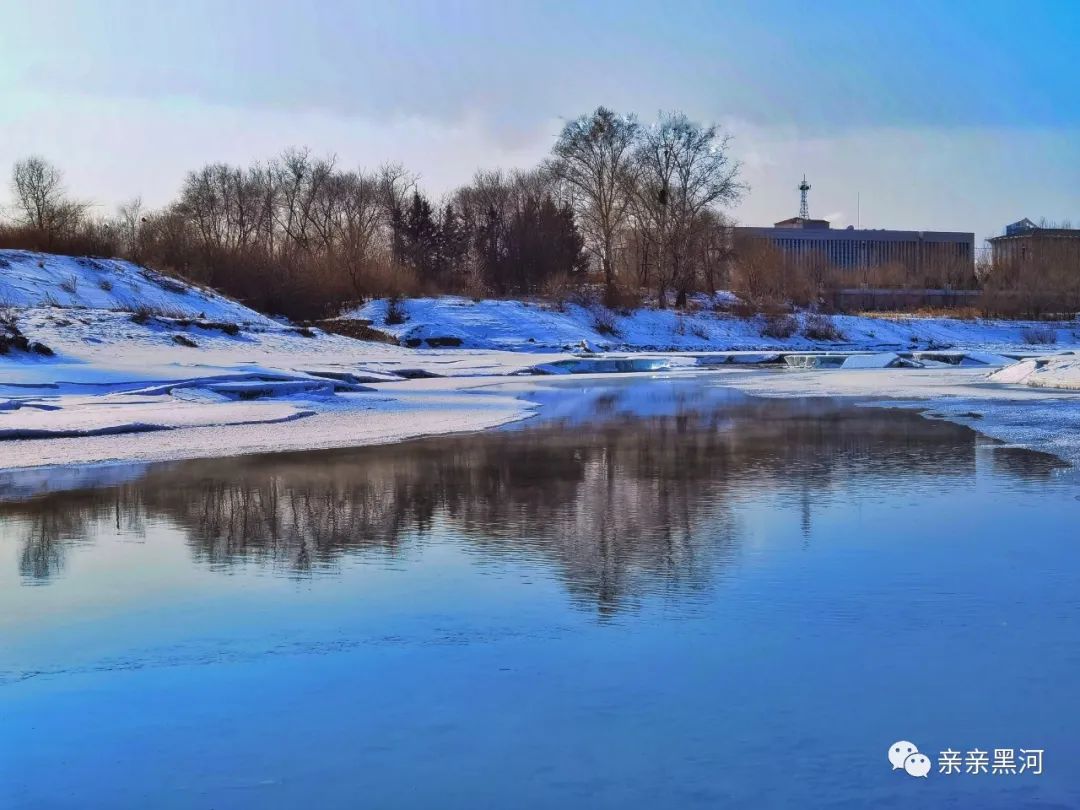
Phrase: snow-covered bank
(129, 351)
(136, 366)
(31, 280)
(536, 326)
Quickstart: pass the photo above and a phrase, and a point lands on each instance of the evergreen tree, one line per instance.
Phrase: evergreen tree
(453, 243)
(420, 237)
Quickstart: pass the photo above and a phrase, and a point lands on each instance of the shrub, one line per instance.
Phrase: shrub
(163, 281)
(821, 327)
(184, 340)
(142, 315)
(70, 285)
(604, 322)
(395, 311)
(557, 289)
(585, 297)
(780, 326)
(1039, 335)
(474, 287)
(356, 329)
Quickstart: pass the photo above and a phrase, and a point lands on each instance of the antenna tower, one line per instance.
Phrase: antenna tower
(804, 208)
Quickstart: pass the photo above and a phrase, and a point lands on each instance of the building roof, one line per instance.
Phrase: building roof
(1019, 227)
(1025, 228)
(805, 224)
(854, 235)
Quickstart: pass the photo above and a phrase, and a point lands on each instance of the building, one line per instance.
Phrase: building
(1024, 243)
(814, 240)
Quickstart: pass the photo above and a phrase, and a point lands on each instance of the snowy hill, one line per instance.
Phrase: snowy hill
(30, 280)
(115, 323)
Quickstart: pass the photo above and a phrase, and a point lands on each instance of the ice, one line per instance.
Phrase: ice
(985, 358)
(125, 414)
(1052, 372)
(612, 365)
(120, 387)
(1016, 373)
(880, 360)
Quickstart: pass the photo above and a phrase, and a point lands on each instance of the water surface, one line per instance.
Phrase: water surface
(657, 594)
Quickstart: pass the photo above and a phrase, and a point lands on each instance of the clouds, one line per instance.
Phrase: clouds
(956, 114)
(825, 67)
(113, 149)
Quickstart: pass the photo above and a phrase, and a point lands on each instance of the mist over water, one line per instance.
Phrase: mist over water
(654, 594)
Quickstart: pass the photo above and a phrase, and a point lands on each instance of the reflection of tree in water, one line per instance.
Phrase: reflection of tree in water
(48, 531)
(619, 508)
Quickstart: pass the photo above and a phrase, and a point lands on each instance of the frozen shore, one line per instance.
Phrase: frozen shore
(1043, 419)
(104, 361)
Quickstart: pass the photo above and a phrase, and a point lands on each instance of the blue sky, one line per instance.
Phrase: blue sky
(946, 115)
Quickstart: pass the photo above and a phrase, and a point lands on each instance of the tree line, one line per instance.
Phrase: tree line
(617, 203)
(625, 209)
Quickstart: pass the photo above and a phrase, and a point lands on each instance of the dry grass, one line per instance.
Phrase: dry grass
(1039, 335)
(958, 313)
(780, 326)
(821, 327)
(604, 322)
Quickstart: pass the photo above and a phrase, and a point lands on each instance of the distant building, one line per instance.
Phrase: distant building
(806, 239)
(1026, 243)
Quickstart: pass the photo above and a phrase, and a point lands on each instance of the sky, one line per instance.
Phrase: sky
(950, 115)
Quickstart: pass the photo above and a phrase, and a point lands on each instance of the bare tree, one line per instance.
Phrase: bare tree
(129, 218)
(41, 199)
(593, 156)
(683, 171)
(396, 184)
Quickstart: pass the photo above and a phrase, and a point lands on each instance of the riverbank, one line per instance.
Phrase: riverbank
(105, 361)
(711, 323)
(1036, 418)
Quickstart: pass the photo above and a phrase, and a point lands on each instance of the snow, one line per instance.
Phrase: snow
(1052, 372)
(30, 279)
(146, 368)
(410, 410)
(97, 416)
(537, 326)
(120, 387)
